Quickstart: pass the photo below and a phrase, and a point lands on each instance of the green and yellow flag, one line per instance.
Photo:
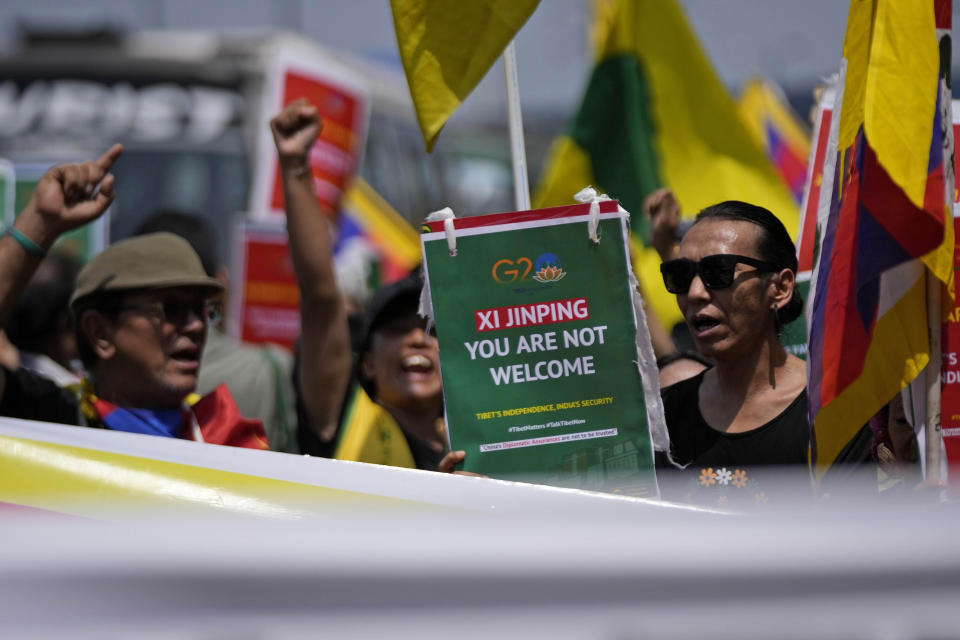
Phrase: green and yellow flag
(447, 47)
(656, 114)
(370, 434)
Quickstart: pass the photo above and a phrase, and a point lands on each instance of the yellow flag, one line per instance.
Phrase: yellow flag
(370, 434)
(447, 46)
(656, 114)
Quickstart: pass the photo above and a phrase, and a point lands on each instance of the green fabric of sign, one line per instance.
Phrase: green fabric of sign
(537, 352)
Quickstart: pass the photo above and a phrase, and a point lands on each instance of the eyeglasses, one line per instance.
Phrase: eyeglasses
(716, 271)
(175, 310)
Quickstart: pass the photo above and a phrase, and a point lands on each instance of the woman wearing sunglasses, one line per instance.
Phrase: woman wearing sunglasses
(734, 277)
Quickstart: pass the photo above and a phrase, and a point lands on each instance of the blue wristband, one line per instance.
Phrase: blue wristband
(31, 247)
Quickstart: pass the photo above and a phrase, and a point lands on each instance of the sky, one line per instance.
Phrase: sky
(794, 43)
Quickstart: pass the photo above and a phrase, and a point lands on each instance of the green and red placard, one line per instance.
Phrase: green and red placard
(537, 333)
(950, 361)
(794, 336)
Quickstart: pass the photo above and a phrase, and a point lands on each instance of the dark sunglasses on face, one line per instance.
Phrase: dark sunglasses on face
(716, 271)
(177, 311)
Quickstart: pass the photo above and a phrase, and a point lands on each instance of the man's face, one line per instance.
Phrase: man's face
(157, 336)
(403, 362)
(727, 323)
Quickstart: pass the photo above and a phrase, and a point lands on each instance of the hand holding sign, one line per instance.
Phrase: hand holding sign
(538, 343)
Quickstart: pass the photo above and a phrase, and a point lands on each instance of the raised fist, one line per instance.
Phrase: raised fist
(295, 129)
(664, 212)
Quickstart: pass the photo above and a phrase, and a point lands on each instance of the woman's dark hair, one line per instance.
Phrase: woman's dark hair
(775, 245)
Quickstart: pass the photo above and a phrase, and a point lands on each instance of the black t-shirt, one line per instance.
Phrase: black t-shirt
(783, 440)
(731, 468)
(424, 456)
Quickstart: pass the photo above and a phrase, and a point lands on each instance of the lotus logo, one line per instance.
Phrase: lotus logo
(548, 269)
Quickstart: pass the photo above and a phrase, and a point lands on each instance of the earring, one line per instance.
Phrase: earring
(776, 318)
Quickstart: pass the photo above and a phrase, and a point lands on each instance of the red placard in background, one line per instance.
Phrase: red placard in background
(811, 201)
(343, 103)
(266, 303)
(336, 154)
(950, 362)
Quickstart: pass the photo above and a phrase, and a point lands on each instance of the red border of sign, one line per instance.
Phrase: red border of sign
(569, 211)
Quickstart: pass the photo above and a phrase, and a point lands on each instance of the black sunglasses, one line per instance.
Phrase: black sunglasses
(716, 271)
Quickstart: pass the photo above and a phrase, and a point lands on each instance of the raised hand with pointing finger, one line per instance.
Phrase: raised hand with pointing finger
(68, 196)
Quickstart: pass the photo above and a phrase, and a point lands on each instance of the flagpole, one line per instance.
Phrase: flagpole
(932, 433)
(518, 154)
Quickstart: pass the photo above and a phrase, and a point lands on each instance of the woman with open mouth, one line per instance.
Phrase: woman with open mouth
(735, 281)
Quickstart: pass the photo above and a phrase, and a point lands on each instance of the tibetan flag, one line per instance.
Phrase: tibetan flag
(777, 129)
(885, 224)
(448, 46)
(386, 240)
(656, 114)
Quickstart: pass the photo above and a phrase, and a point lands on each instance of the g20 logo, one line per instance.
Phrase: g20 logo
(546, 268)
(506, 271)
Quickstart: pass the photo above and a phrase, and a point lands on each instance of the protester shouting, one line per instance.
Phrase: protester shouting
(142, 308)
(398, 368)
(734, 279)
(400, 421)
(260, 377)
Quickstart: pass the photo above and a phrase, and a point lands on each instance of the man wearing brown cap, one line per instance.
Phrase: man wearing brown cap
(142, 309)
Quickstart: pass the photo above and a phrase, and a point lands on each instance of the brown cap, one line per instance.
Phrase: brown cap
(151, 261)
